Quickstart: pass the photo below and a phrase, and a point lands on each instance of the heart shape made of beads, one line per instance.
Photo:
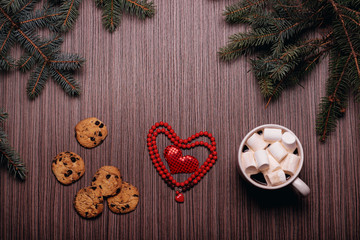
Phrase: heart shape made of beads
(165, 128)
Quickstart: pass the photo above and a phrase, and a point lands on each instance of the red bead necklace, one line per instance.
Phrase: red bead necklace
(180, 187)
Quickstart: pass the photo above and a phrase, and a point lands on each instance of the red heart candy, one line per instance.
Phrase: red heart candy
(178, 163)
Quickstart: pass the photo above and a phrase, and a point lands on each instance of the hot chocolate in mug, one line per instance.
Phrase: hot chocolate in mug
(271, 157)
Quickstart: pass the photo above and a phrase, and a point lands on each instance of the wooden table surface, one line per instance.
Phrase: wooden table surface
(167, 68)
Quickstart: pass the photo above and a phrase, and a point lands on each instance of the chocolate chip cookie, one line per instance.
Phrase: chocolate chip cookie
(125, 201)
(108, 179)
(88, 202)
(90, 132)
(68, 167)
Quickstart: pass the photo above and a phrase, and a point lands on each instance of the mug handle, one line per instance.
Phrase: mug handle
(300, 187)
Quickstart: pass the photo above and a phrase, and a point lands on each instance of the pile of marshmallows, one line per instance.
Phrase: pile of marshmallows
(272, 154)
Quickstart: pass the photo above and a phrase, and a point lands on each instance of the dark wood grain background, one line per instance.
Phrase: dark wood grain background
(166, 68)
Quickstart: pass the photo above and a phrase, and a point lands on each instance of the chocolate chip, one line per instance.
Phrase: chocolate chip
(67, 152)
(69, 172)
(108, 176)
(100, 134)
(79, 173)
(92, 139)
(127, 206)
(100, 186)
(54, 161)
(86, 213)
(99, 197)
(94, 143)
(112, 205)
(116, 176)
(60, 159)
(93, 188)
(94, 179)
(135, 195)
(60, 154)
(73, 159)
(73, 181)
(118, 190)
(123, 208)
(101, 125)
(65, 163)
(97, 123)
(96, 206)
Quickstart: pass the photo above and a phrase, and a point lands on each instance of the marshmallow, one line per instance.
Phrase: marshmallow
(289, 141)
(275, 178)
(262, 160)
(277, 151)
(290, 164)
(272, 134)
(273, 165)
(255, 142)
(248, 163)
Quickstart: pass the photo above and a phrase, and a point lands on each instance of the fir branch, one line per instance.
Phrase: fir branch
(9, 156)
(69, 11)
(279, 36)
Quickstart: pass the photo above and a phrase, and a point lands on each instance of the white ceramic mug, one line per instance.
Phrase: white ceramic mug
(295, 181)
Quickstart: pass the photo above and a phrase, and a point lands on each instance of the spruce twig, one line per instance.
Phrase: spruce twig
(8, 155)
(279, 36)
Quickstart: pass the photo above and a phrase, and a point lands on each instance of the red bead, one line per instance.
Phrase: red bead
(150, 148)
(172, 139)
(195, 181)
(151, 153)
(165, 170)
(192, 136)
(213, 143)
(198, 178)
(151, 131)
(166, 124)
(181, 141)
(204, 171)
(193, 176)
(171, 178)
(210, 164)
(177, 138)
(156, 151)
(206, 144)
(153, 127)
(163, 176)
(158, 169)
(185, 141)
(212, 139)
(193, 145)
(188, 146)
(206, 163)
(148, 139)
(157, 155)
(158, 130)
(163, 167)
(161, 123)
(149, 144)
(212, 161)
(214, 157)
(152, 157)
(161, 172)
(186, 182)
(206, 133)
(172, 131)
(210, 135)
(174, 135)
(176, 143)
(201, 143)
(156, 165)
(155, 134)
(173, 181)
(207, 168)
(177, 192)
(169, 127)
(189, 139)
(154, 161)
(201, 133)
(166, 133)
(168, 174)
(201, 175)
(182, 184)
(214, 153)
(177, 184)
(163, 130)
(157, 124)
(196, 173)
(197, 143)
(183, 146)
(197, 135)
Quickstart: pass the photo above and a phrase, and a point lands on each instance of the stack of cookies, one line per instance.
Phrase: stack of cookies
(122, 197)
(68, 167)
